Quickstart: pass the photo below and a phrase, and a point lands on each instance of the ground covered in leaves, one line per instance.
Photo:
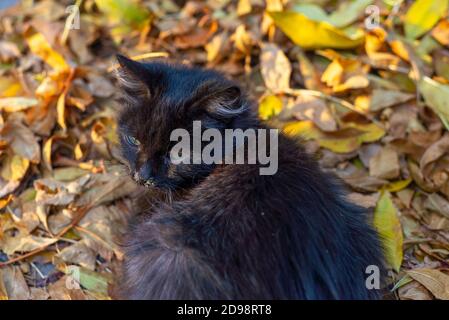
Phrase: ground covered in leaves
(364, 82)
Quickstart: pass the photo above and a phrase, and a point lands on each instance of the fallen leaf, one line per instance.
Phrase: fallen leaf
(25, 243)
(388, 225)
(434, 152)
(385, 164)
(311, 34)
(79, 253)
(437, 203)
(441, 32)
(436, 96)
(381, 99)
(90, 280)
(307, 107)
(275, 68)
(14, 283)
(270, 106)
(66, 288)
(22, 140)
(434, 280)
(422, 16)
(14, 167)
(14, 104)
(414, 291)
(39, 45)
(348, 12)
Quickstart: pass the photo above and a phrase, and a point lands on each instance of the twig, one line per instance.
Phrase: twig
(319, 94)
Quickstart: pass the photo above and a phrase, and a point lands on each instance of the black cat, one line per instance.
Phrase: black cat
(229, 232)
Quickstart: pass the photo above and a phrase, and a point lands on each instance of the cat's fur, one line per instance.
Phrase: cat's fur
(232, 233)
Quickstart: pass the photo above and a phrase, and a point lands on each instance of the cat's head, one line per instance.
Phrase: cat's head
(158, 98)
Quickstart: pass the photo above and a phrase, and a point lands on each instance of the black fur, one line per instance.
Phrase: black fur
(229, 232)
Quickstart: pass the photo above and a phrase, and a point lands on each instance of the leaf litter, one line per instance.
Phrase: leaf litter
(369, 100)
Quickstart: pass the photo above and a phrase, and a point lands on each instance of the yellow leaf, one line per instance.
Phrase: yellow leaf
(398, 185)
(372, 132)
(422, 16)
(388, 225)
(244, 7)
(311, 34)
(4, 202)
(333, 74)
(40, 47)
(78, 152)
(14, 167)
(9, 87)
(344, 145)
(60, 107)
(305, 129)
(270, 106)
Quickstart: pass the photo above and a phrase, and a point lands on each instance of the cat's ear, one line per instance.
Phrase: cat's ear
(223, 100)
(131, 77)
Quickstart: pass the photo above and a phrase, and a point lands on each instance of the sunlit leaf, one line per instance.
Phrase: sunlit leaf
(270, 106)
(398, 185)
(60, 107)
(275, 68)
(14, 167)
(388, 225)
(40, 47)
(311, 34)
(423, 15)
(437, 97)
(17, 103)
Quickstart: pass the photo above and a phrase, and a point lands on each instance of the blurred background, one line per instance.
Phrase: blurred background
(365, 83)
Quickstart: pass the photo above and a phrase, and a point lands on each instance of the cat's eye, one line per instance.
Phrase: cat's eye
(131, 141)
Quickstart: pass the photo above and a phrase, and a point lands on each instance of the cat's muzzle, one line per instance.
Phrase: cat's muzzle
(144, 182)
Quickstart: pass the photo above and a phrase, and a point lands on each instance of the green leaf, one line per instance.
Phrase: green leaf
(311, 34)
(312, 11)
(90, 280)
(348, 12)
(123, 11)
(422, 16)
(436, 96)
(388, 225)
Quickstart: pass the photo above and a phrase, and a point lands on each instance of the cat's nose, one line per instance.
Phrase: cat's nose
(145, 172)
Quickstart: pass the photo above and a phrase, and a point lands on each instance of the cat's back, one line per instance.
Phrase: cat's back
(242, 235)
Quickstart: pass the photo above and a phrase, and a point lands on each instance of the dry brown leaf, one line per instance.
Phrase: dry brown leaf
(434, 280)
(434, 152)
(52, 192)
(22, 140)
(14, 283)
(66, 288)
(414, 291)
(25, 243)
(80, 254)
(307, 107)
(385, 164)
(275, 68)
